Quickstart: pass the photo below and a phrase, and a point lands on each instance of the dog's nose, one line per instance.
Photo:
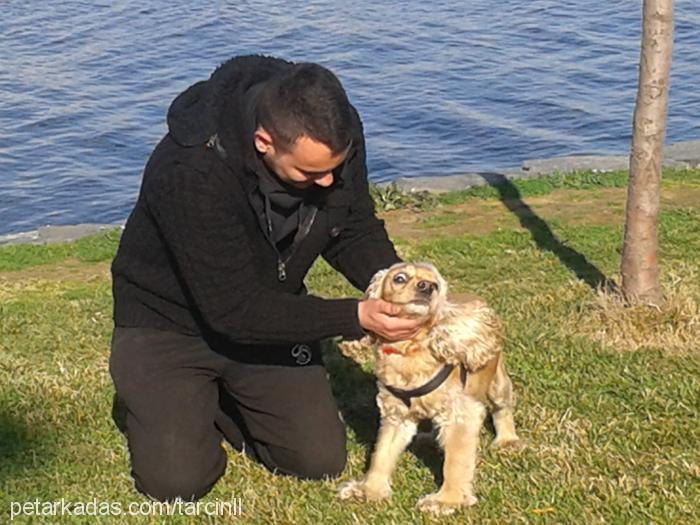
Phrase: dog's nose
(426, 287)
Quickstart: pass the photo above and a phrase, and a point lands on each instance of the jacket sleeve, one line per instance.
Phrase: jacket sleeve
(213, 256)
(363, 246)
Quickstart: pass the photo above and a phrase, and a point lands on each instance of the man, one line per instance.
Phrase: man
(262, 170)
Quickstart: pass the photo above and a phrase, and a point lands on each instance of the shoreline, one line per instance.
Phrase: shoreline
(684, 154)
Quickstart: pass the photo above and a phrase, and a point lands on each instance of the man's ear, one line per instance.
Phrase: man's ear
(263, 141)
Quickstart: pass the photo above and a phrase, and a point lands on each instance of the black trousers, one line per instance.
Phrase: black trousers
(179, 395)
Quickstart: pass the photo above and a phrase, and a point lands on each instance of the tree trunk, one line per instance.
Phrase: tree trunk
(640, 279)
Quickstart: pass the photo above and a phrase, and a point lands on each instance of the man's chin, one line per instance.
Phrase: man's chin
(297, 185)
(302, 185)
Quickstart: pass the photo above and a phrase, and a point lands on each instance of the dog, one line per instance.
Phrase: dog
(452, 372)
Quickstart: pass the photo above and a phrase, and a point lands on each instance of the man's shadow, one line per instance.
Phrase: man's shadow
(22, 447)
(542, 234)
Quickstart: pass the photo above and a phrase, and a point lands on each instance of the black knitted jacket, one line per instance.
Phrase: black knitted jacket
(193, 257)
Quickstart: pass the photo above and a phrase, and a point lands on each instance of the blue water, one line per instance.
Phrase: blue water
(443, 86)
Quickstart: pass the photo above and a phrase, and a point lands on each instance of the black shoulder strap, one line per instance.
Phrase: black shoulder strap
(434, 383)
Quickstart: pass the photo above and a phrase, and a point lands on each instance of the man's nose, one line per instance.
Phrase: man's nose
(324, 181)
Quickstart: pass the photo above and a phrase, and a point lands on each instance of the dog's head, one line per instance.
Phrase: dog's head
(417, 287)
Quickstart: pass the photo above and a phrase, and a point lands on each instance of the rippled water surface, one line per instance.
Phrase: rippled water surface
(443, 86)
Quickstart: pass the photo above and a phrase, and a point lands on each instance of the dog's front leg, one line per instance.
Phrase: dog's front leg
(461, 444)
(394, 437)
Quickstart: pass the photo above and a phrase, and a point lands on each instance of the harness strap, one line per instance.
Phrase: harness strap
(427, 388)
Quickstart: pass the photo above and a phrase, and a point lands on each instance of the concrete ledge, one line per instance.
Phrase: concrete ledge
(53, 234)
(457, 182)
(684, 154)
(679, 155)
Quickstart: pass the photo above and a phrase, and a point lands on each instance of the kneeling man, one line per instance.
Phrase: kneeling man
(262, 170)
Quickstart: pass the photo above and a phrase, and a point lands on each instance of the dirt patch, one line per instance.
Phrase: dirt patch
(68, 270)
(681, 196)
(475, 217)
(603, 207)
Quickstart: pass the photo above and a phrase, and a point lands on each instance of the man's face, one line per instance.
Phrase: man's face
(305, 164)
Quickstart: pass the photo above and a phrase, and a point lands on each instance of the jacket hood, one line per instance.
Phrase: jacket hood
(192, 115)
(215, 105)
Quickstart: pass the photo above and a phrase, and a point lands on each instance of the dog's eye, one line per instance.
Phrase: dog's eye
(400, 278)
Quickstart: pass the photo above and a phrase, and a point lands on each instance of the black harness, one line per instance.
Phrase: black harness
(427, 388)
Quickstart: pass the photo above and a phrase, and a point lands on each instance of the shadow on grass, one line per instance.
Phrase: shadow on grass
(543, 235)
(21, 447)
(355, 391)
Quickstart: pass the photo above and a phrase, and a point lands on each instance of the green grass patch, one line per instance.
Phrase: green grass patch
(439, 221)
(587, 180)
(91, 249)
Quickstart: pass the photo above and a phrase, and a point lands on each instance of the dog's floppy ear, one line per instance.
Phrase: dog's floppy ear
(374, 290)
(469, 334)
(442, 286)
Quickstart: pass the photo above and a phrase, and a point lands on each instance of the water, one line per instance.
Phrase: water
(443, 86)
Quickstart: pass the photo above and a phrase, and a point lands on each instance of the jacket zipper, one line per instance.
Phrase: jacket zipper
(215, 143)
(298, 238)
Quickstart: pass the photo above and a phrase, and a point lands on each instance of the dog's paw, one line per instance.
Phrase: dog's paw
(360, 490)
(510, 444)
(438, 504)
(358, 351)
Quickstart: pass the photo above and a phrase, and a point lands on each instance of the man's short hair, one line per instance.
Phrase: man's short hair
(306, 100)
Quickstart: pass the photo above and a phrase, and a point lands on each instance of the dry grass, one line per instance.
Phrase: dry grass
(673, 326)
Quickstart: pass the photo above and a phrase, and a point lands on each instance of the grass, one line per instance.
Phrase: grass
(90, 249)
(585, 180)
(610, 428)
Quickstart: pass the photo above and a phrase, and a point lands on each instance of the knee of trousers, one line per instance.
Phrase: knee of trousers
(186, 478)
(317, 460)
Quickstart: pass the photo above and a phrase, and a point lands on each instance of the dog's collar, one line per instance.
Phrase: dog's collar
(389, 350)
(427, 388)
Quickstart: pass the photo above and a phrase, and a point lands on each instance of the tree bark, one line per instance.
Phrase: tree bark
(639, 269)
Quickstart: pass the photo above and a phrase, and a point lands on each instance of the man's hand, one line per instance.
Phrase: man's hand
(380, 317)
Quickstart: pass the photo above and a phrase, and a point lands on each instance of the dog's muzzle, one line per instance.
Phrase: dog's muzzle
(425, 288)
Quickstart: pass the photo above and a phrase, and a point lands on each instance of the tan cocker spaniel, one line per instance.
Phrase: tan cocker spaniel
(451, 373)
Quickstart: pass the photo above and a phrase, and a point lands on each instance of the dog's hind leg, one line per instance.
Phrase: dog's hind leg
(500, 394)
(393, 439)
